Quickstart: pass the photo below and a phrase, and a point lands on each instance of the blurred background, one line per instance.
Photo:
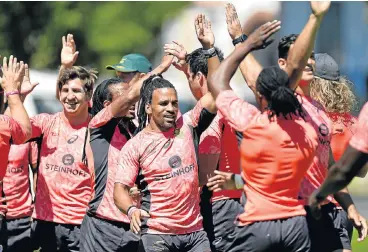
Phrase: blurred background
(105, 31)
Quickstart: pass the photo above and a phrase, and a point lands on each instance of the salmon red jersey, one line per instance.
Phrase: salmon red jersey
(218, 149)
(343, 130)
(275, 156)
(64, 183)
(317, 173)
(9, 130)
(107, 137)
(360, 140)
(165, 167)
(16, 184)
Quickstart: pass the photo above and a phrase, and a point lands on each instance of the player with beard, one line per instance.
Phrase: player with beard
(219, 209)
(105, 228)
(162, 158)
(336, 228)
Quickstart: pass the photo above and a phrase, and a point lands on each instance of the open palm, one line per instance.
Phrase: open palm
(204, 32)
(27, 86)
(69, 54)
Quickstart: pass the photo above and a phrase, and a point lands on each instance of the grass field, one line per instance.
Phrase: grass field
(359, 246)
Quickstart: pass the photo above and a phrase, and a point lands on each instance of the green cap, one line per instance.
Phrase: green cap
(132, 63)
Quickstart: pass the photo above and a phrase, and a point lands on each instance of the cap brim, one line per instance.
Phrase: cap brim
(120, 68)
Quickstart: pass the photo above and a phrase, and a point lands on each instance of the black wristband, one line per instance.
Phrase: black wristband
(240, 39)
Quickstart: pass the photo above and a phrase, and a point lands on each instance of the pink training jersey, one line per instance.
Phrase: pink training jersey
(9, 130)
(317, 173)
(165, 165)
(64, 183)
(107, 138)
(275, 156)
(218, 149)
(16, 183)
(360, 140)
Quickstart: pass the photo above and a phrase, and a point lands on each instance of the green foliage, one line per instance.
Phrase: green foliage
(103, 31)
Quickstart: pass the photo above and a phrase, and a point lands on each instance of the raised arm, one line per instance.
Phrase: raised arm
(121, 106)
(220, 80)
(11, 83)
(303, 47)
(249, 67)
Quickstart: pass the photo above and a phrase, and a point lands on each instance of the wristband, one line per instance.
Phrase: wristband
(240, 39)
(130, 211)
(210, 52)
(12, 93)
(239, 182)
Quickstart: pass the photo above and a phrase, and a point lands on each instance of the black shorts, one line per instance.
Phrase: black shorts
(3, 233)
(19, 234)
(221, 223)
(104, 235)
(193, 242)
(55, 237)
(286, 235)
(332, 232)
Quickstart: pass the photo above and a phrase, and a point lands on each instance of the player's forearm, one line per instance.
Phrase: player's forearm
(122, 198)
(220, 80)
(301, 51)
(250, 69)
(19, 114)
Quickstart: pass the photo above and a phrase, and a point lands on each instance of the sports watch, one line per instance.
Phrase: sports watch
(240, 39)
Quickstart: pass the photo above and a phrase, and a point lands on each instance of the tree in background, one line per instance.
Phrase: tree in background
(104, 31)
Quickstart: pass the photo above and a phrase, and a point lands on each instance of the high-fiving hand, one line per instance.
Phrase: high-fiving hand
(204, 32)
(179, 51)
(69, 54)
(320, 8)
(260, 37)
(233, 24)
(13, 73)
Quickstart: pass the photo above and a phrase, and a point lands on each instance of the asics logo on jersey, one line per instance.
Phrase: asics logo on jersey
(72, 139)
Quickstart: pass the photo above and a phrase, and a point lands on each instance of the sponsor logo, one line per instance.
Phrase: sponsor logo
(72, 139)
(177, 172)
(175, 162)
(16, 169)
(324, 132)
(323, 129)
(68, 159)
(65, 169)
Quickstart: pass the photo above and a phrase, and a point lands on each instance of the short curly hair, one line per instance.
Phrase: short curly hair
(335, 96)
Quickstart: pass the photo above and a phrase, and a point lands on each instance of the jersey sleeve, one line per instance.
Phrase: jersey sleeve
(38, 123)
(359, 140)
(17, 132)
(237, 112)
(128, 167)
(199, 118)
(210, 141)
(102, 118)
(33, 153)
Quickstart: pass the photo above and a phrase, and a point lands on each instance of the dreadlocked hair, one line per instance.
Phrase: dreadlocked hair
(273, 84)
(151, 84)
(102, 93)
